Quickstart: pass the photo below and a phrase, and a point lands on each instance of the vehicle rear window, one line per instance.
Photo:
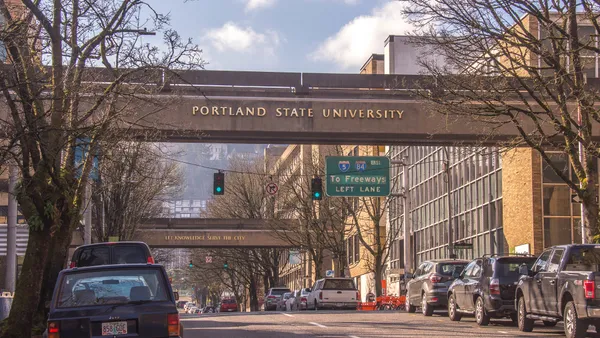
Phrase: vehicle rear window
(509, 267)
(129, 254)
(111, 286)
(279, 292)
(95, 255)
(339, 284)
(584, 259)
(446, 269)
(228, 301)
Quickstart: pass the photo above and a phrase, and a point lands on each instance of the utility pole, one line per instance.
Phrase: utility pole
(406, 226)
(11, 235)
(449, 205)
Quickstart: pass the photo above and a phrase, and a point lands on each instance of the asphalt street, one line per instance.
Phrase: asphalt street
(352, 324)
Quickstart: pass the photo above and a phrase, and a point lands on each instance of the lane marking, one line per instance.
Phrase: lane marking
(353, 337)
(503, 332)
(317, 324)
(287, 314)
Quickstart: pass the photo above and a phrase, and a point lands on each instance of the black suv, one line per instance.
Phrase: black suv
(486, 288)
(111, 253)
(428, 287)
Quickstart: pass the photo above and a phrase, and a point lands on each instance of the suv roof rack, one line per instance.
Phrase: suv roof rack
(508, 254)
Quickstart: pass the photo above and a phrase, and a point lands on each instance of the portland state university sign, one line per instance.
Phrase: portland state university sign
(298, 112)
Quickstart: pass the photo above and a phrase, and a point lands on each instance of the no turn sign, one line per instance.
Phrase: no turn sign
(272, 188)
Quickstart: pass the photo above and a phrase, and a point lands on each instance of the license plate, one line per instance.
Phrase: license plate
(114, 328)
(340, 304)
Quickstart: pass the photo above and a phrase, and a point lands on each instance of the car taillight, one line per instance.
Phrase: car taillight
(173, 324)
(150, 260)
(321, 295)
(303, 300)
(72, 265)
(53, 330)
(272, 297)
(357, 295)
(590, 289)
(495, 286)
(435, 278)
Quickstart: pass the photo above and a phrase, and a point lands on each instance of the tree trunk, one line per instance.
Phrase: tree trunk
(27, 293)
(590, 203)
(318, 260)
(378, 275)
(253, 291)
(57, 258)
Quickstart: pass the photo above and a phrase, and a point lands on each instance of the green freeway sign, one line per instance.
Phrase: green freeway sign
(357, 176)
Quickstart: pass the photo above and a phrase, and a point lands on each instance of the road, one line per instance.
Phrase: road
(351, 324)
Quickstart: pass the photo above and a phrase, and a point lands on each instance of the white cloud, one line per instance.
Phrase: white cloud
(231, 37)
(259, 4)
(364, 35)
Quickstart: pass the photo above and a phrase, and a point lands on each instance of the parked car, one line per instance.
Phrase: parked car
(486, 288)
(300, 301)
(562, 285)
(228, 305)
(282, 301)
(188, 305)
(272, 298)
(181, 304)
(337, 293)
(111, 253)
(208, 309)
(128, 299)
(192, 309)
(428, 287)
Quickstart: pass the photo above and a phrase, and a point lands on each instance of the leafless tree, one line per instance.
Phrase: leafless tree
(52, 100)
(520, 64)
(135, 178)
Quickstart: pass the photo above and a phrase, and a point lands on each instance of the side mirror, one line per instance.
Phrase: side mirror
(176, 294)
(524, 271)
(408, 275)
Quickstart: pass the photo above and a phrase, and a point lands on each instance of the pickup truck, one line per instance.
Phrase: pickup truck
(562, 285)
(334, 293)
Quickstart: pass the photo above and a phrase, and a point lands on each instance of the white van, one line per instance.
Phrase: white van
(333, 293)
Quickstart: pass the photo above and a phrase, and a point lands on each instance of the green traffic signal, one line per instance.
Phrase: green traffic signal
(225, 265)
(191, 265)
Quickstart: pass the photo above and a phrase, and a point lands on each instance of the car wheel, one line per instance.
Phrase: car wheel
(549, 323)
(408, 306)
(525, 324)
(426, 308)
(574, 326)
(482, 318)
(453, 313)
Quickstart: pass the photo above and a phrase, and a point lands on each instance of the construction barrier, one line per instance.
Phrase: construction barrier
(384, 303)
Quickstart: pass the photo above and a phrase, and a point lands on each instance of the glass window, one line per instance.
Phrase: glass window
(92, 256)
(339, 284)
(557, 231)
(540, 264)
(129, 254)
(476, 272)
(561, 162)
(114, 286)
(555, 261)
(467, 271)
(557, 200)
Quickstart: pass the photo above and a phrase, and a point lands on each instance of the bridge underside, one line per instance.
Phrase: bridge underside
(209, 233)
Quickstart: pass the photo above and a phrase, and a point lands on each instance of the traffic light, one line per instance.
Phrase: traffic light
(317, 189)
(219, 184)
(191, 264)
(225, 265)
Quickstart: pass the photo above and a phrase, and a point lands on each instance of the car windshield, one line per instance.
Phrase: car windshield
(446, 269)
(509, 267)
(584, 258)
(279, 292)
(339, 284)
(111, 286)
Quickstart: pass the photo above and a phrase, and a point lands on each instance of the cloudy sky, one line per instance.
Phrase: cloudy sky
(286, 35)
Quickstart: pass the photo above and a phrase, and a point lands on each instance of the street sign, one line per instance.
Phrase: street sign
(357, 176)
(463, 245)
(272, 188)
(209, 259)
(576, 199)
(329, 273)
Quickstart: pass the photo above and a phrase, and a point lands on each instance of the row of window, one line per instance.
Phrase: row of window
(353, 249)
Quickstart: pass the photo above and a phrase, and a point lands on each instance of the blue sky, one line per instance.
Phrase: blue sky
(286, 35)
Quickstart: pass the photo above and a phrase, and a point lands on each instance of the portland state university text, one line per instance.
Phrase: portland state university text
(298, 112)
